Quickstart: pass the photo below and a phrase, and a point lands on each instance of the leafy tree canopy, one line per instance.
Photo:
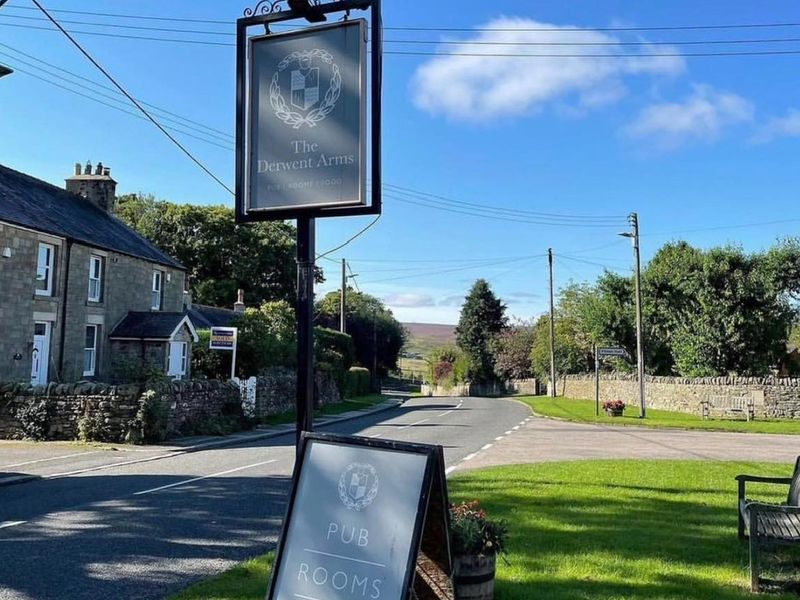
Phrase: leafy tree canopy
(370, 323)
(220, 256)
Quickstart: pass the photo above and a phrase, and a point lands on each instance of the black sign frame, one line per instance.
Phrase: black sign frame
(264, 14)
(432, 521)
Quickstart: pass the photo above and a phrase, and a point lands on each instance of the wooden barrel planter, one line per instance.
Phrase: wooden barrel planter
(614, 412)
(473, 577)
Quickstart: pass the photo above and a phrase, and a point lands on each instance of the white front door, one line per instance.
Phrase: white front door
(176, 364)
(40, 358)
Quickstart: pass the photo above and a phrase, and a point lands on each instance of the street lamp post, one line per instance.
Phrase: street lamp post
(633, 219)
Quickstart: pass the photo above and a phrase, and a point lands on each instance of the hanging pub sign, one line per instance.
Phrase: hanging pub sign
(302, 103)
(367, 520)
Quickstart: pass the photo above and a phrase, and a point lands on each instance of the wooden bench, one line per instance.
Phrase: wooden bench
(769, 524)
(728, 407)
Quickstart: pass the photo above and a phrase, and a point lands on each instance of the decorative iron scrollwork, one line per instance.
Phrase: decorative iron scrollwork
(268, 7)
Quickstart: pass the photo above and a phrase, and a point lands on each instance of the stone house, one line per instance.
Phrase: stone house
(81, 293)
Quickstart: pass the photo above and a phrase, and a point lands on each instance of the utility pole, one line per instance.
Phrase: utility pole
(343, 303)
(552, 329)
(375, 347)
(633, 219)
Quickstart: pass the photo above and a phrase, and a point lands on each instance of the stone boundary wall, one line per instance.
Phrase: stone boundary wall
(276, 391)
(514, 386)
(773, 397)
(113, 406)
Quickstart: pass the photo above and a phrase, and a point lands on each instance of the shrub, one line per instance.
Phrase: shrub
(358, 382)
(93, 428)
(33, 419)
(613, 405)
(473, 533)
(207, 363)
(448, 366)
(150, 423)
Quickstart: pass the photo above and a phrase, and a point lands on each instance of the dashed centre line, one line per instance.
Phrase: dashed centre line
(6, 524)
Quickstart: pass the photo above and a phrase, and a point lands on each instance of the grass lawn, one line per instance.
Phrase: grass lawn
(359, 403)
(583, 411)
(596, 530)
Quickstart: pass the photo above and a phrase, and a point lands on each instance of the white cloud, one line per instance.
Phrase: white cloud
(701, 116)
(452, 300)
(479, 88)
(409, 300)
(778, 127)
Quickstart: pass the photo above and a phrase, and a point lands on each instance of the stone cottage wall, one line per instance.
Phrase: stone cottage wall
(276, 391)
(773, 397)
(113, 406)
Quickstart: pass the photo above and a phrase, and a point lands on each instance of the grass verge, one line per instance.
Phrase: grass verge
(360, 403)
(582, 411)
(595, 530)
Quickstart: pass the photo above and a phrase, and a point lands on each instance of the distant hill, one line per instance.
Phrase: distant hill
(422, 337)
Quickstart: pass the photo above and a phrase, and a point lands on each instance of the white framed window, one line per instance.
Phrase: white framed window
(95, 278)
(44, 269)
(90, 350)
(158, 280)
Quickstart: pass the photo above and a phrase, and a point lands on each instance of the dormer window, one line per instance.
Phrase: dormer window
(158, 281)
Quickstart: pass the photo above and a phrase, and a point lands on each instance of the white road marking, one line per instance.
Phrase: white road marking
(41, 460)
(343, 557)
(447, 412)
(187, 481)
(449, 470)
(6, 524)
(508, 432)
(469, 457)
(515, 427)
(498, 438)
(487, 446)
(375, 435)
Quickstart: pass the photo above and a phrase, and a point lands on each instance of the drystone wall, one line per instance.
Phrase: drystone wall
(772, 397)
(276, 391)
(56, 411)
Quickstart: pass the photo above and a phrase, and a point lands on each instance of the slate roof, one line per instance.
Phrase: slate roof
(38, 205)
(206, 317)
(150, 325)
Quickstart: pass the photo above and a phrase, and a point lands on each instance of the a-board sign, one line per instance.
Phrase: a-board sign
(613, 351)
(222, 338)
(367, 520)
(307, 119)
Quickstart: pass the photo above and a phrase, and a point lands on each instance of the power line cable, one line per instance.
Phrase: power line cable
(351, 239)
(468, 29)
(438, 42)
(464, 54)
(132, 99)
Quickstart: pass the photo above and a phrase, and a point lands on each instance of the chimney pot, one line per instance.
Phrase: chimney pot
(239, 305)
(88, 169)
(99, 169)
(107, 171)
(77, 168)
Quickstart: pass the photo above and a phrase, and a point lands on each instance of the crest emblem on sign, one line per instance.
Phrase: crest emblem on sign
(358, 486)
(304, 88)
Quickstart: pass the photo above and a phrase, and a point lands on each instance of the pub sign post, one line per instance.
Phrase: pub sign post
(302, 101)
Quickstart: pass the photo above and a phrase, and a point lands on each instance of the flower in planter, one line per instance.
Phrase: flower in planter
(613, 406)
(473, 533)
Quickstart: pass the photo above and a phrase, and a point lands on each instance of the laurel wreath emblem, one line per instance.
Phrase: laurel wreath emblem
(296, 119)
(361, 503)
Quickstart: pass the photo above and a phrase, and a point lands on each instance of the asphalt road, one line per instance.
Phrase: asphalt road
(143, 531)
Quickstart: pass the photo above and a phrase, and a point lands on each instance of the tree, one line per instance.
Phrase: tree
(447, 366)
(512, 352)
(572, 354)
(371, 325)
(267, 338)
(220, 256)
(482, 318)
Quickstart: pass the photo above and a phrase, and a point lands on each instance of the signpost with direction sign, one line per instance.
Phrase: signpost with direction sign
(302, 100)
(367, 520)
(225, 338)
(599, 354)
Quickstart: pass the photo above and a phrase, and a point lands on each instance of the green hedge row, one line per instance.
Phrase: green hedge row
(357, 382)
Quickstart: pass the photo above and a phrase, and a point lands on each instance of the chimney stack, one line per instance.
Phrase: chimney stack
(98, 187)
(239, 305)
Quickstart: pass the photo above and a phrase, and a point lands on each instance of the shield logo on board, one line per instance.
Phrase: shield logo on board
(305, 85)
(358, 486)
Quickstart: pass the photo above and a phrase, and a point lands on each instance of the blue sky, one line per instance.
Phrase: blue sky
(703, 148)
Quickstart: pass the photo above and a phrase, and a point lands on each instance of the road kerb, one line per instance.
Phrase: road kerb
(231, 440)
